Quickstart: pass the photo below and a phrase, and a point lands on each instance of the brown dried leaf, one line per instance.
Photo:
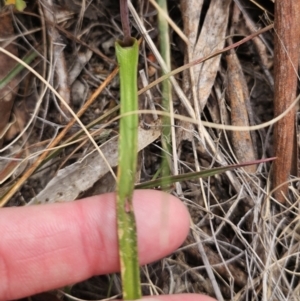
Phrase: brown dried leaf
(237, 92)
(191, 11)
(212, 38)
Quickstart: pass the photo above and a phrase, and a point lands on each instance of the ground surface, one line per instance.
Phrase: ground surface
(241, 247)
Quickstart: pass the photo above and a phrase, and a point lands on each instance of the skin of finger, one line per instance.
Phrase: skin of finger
(48, 246)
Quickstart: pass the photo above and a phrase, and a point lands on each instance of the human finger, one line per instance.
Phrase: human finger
(49, 246)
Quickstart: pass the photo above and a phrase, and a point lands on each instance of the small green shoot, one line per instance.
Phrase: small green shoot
(17, 69)
(164, 41)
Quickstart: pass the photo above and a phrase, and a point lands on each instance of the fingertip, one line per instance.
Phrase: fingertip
(43, 245)
(166, 217)
(162, 221)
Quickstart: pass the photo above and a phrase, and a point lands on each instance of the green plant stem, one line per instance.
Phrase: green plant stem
(166, 91)
(130, 273)
(17, 69)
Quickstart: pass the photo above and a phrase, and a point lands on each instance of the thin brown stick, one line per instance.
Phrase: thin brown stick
(55, 142)
(125, 21)
(287, 42)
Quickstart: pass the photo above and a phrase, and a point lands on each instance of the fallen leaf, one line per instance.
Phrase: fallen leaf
(80, 176)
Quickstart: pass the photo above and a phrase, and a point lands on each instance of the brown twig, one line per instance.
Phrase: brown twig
(125, 22)
(287, 39)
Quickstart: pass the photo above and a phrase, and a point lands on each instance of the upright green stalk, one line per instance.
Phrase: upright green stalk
(128, 59)
(166, 90)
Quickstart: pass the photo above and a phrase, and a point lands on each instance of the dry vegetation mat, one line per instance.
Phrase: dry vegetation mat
(232, 99)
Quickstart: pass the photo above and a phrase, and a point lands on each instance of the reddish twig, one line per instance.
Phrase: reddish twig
(125, 22)
(287, 38)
